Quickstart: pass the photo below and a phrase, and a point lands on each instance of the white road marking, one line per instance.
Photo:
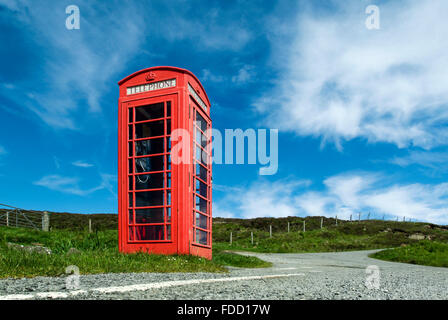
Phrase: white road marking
(285, 268)
(306, 267)
(141, 287)
(315, 271)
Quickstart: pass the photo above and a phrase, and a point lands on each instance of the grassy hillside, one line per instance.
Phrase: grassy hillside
(347, 235)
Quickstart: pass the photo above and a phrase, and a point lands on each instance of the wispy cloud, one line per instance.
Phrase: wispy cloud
(340, 81)
(433, 160)
(76, 66)
(71, 185)
(82, 164)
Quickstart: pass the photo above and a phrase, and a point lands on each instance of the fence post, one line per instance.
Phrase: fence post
(404, 218)
(230, 238)
(90, 225)
(336, 220)
(270, 231)
(350, 217)
(252, 237)
(17, 218)
(288, 226)
(304, 229)
(321, 222)
(7, 219)
(359, 217)
(45, 221)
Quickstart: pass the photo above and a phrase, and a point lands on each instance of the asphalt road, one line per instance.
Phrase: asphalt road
(340, 275)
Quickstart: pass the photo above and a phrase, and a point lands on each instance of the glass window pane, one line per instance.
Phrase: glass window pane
(168, 144)
(200, 122)
(130, 132)
(149, 129)
(201, 221)
(154, 215)
(152, 111)
(131, 200)
(168, 109)
(201, 188)
(149, 164)
(130, 166)
(130, 149)
(168, 127)
(149, 181)
(131, 233)
(201, 139)
(131, 184)
(201, 156)
(148, 198)
(168, 232)
(201, 237)
(168, 197)
(131, 218)
(151, 146)
(131, 115)
(168, 162)
(168, 214)
(201, 172)
(201, 204)
(168, 180)
(149, 233)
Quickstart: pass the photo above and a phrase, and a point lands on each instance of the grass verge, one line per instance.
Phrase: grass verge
(98, 253)
(425, 252)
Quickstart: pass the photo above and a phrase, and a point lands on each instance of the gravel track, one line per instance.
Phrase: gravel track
(339, 275)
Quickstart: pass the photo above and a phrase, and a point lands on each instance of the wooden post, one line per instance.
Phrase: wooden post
(304, 229)
(359, 217)
(288, 226)
(17, 218)
(350, 217)
(230, 238)
(321, 222)
(404, 219)
(252, 238)
(90, 225)
(45, 221)
(336, 220)
(270, 231)
(7, 219)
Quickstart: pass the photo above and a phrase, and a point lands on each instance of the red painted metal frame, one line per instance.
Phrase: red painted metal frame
(183, 112)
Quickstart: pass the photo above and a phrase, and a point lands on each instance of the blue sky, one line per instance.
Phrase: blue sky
(362, 114)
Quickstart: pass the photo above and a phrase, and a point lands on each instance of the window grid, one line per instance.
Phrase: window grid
(196, 176)
(137, 230)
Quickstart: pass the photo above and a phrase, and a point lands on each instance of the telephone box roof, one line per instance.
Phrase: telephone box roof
(175, 69)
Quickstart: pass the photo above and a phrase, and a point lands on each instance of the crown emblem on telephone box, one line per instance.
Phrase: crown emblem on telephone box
(150, 76)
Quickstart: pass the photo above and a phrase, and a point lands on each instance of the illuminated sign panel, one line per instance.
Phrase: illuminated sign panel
(151, 86)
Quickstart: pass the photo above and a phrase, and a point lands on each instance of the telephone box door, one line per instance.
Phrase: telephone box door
(151, 195)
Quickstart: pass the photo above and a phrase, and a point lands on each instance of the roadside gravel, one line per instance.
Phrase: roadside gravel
(339, 275)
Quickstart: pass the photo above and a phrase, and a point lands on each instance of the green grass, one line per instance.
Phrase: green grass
(425, 252)
(237, 260)
(98, 254)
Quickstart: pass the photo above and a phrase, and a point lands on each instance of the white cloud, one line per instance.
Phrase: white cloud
(261, 199)
(71, 185)
(344, 195)
(82, 164)
(340, 81)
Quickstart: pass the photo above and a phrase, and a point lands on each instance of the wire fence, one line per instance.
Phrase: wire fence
(20, 218)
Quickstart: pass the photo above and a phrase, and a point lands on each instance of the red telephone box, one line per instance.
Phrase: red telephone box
(164, 207)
